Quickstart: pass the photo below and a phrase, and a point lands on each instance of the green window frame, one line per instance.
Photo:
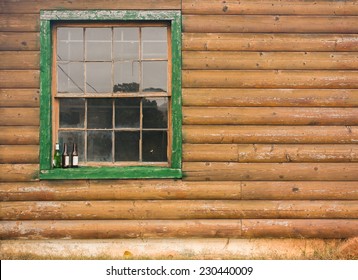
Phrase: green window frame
(47, 172)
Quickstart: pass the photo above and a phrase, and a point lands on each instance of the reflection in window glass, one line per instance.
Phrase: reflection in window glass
(69, 44)
(99, 146)
(70, 77)
(71, 137)
(155, 111)
(126, 77)
(99, 77)
(154, 42)
(98, 44)
(126, 43)
(72, 113)
(127, 146)
(99, 113)
(154, 146)
(154, 76)
(127, 112)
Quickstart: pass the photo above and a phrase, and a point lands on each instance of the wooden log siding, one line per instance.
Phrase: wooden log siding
(19, 41)
(19, 97)
(19, 60)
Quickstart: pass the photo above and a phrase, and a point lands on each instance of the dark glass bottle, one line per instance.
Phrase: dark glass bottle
(57, 157)
(74, 156)
(65, 157)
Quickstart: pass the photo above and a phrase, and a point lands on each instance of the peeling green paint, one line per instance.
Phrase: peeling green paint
(142, 172)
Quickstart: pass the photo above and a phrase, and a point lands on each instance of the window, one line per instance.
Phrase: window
(110, 82)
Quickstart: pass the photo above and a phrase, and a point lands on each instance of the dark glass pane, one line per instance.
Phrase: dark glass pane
(99, 77)
(154, 42)
(126, 43)
(71, 137)
(155, 112)
(99, 146)
(127, 112)
(69, 44)
(127, 146)
(154, 76)
(126, 77)
(72, 112)
(154, 146)
(99, 113)
(98, 44)
(70, 77)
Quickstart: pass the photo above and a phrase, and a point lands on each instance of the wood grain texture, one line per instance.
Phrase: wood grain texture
(178, 210)
(19, 41)
(269, 134)
(269, 24)
(267, 7)
(270, 42)
(24, 78)
(226, 97)
(19, 154)
(20, 60)
(19, 135)
(19, 97)
(231, 171)
(19, 172)
(19, 116)
(15, 23)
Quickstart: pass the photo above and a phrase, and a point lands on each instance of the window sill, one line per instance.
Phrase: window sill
(129, 172)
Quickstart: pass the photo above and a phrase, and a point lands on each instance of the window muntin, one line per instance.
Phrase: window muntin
(112, 91)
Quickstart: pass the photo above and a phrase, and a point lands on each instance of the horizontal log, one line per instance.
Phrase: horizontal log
(19, 60)
(299, 228)
(18, 172)
(20, 78)
(119, 229)
(219, 60)
(220, 134)
(270, 97)
(14, 23)
(231, 171)
(269, 24)
(19, 97)
(19, 135)
(270, 153)
(184, 190)
(178, 209)
(19, 154)
(269, 116)
(299, 79)
(34, 6)
(270, 42)
(20, 116)
(270, 7)
(19, 41)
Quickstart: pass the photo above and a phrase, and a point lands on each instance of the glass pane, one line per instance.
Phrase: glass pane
(99, 77)
(71, 137)
(69, 44)
(126, 43)
(99, 146)
(127, 113)
(98, 44)
(72, 112)
(126, 77)
(154, 42)
(155, 112)
(154, 146)
(70, 77)
(155, 76)
(127, 146)
(99, 113)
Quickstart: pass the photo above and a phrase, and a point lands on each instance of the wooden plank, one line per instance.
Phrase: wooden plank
(34, 6)
(269, 24)
(15, 23)
(19, 78)
(270, 153)
(221, 134)
(19, 116)
(19, 41)
(19, 60)
(178, 210)
(228, 60)
(18, 172)
(119, 229)
(296, 79)
(270, 42)
(222, 97)
(298, 228)
(19, 135)
(314, 190)
(19, 154)
(270, 7)
(231, 171)
(19, 97)
(270, 116)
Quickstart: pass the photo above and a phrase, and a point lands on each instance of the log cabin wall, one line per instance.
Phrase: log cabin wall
(270, 129)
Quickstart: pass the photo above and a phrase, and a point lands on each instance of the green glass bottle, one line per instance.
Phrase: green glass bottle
(57, 157)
